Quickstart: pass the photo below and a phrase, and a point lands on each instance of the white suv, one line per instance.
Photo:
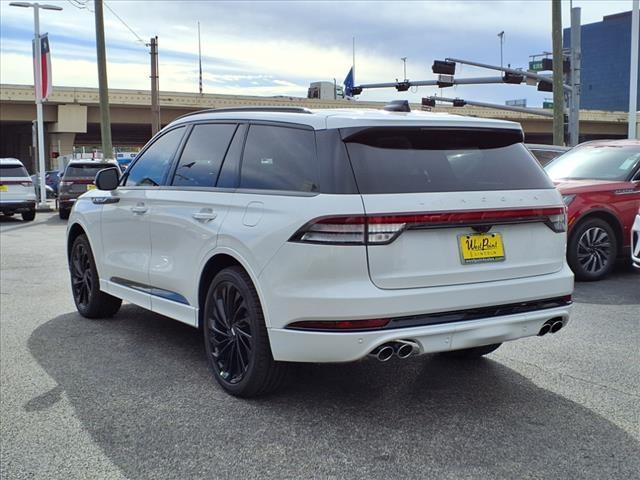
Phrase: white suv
(294, 235)
(17, 193)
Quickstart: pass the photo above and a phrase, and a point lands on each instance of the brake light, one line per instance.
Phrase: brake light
(384, 229)
(66, 183)
(338, 325)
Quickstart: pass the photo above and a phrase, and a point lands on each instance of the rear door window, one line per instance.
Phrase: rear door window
(152, 167)
(202, 156)
(13, 171)
(279, 158)
(413, 160)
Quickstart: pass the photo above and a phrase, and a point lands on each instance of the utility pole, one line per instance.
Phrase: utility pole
(103, 86)
(558, 90)
(633, 77)
(155, 101)
(574, 94)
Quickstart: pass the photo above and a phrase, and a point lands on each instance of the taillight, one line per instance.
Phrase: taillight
(66, 183)
(384, 229)
(340, 325)
(27, 184)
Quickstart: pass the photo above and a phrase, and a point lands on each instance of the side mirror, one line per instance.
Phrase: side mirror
(108, 178)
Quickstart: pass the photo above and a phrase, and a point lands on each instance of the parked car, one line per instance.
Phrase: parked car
(635, 241)
(546, 153)
(17, 194)
(292, 235)
(78, 177)
(600, 184)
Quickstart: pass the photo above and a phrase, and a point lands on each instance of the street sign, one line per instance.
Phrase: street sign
(547, 104)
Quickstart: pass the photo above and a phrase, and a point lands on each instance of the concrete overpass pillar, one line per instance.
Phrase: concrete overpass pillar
(72, 119)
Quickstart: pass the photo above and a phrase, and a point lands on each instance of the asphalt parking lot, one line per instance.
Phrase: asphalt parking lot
(131, 397)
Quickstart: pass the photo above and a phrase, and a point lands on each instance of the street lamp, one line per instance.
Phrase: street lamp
(42, 203)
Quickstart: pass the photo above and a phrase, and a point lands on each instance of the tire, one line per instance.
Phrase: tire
(29, 216)
(64, 213)
(475, 352)
(235, 337)
(90, 301)
(592, 249)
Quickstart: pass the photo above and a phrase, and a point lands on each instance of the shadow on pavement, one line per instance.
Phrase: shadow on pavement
(140, 387)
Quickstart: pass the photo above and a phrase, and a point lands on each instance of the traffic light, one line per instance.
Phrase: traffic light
(458, 102)
(444, 67)
(445, 81)
(547, 64)
(428, 102)
(356, 90)
(512, 78)
(545, 86)
(403, 86)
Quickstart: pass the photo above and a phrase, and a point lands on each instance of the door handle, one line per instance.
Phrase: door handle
(140, 209)
(204, 216)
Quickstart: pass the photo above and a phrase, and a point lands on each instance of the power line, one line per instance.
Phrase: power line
(125, 24)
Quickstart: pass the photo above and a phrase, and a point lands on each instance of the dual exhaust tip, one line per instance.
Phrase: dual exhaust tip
(401, 348)
(551, 326)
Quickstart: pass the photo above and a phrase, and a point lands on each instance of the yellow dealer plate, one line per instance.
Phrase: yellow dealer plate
(3, 188)
(91, 187)
(481, 248)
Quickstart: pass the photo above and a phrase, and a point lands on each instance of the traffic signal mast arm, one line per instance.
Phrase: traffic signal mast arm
(458, 102)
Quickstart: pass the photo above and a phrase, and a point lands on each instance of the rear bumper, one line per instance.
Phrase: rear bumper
(17, 206)
(66, 202)
(298, 346)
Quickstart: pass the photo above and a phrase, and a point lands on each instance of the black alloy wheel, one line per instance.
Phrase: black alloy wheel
(81, 278)
(235, 337)
(230, 333)
(90, 301)
(592, 249)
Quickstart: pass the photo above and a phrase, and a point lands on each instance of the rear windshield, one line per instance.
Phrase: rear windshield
(595, 163)
(13, 171)
(85, 170)
(412, 160)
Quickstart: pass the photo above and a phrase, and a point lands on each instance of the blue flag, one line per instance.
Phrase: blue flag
(348, 84)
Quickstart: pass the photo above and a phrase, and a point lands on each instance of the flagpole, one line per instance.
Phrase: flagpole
(199, 60)
(353, 65)
(37, 65)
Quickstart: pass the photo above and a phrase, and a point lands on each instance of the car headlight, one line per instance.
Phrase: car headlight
(567, 199)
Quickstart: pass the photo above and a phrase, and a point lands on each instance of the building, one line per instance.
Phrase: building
(606, 55)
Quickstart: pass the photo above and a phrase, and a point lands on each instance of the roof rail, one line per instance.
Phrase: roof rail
(247, 109)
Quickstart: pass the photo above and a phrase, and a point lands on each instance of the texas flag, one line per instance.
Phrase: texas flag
(45, 68)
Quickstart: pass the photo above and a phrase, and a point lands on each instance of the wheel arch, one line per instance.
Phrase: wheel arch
(608, 217)
(215, 264)
(75, 231)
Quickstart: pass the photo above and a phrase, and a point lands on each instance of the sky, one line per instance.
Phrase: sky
(278, 48)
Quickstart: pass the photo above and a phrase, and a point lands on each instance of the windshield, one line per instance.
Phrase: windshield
(414, 160)
(82, 170)
(595, 163)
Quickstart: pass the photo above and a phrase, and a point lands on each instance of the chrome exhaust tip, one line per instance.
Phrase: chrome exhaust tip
(556, 326)
(406, 348)
(544, 330)
(382, 353)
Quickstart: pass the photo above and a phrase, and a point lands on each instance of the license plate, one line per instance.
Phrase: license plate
(4, 188)
(481, 248)
(91, 187)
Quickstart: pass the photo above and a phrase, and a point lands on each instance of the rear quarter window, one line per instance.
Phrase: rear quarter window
(413, 160)
(279, 158)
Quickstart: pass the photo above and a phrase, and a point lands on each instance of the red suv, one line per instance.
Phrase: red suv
(600, 185)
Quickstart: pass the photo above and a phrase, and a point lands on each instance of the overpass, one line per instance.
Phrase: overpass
(72, 117)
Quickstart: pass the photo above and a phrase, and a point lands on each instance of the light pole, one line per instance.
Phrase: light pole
(501, 35)
(404, 63)
(42, 204)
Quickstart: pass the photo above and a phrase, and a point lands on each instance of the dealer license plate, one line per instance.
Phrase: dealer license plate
(481, 248)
